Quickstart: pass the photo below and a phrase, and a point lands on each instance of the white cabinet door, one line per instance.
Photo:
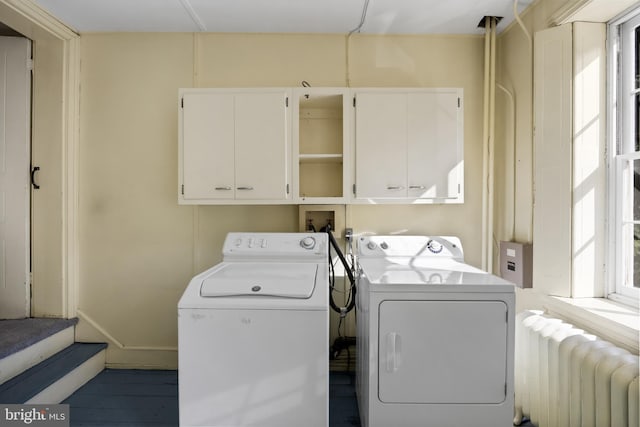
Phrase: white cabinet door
(409, 145)
(434, 160)
(261, 146)
(208, 146)
(235, 146)
(381, 145)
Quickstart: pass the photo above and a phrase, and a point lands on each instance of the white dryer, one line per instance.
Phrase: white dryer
(435, 336)
(253, 335)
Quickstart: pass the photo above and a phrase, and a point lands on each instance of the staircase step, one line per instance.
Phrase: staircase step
(27, 357)
(19, 334)
(49, 380)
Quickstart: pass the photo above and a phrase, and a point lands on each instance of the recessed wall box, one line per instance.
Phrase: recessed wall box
(516, 260)
(316, 217)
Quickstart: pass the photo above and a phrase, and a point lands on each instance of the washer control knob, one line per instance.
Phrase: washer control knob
(308, 242)
(434, 247)
(384, 245)
(371, 245)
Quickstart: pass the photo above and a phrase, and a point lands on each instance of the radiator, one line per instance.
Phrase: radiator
(566, 377)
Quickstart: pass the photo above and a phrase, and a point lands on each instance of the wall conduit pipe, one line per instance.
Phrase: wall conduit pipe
(492, 131)
(488, 142)
(512, 110)
(485, 142)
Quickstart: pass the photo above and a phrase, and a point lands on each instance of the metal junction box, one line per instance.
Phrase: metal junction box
(516, 262)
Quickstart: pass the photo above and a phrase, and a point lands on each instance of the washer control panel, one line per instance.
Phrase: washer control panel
(410, 246)
(275, 245)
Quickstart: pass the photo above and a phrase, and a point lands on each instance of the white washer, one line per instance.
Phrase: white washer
(253, 335)
(435, 336)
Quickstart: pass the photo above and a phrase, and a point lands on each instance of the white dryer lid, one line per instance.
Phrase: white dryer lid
(269, 279)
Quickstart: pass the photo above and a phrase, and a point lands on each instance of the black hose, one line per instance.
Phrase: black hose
(347, 269)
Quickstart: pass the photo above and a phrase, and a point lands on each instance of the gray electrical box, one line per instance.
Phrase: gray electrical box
(516, 263)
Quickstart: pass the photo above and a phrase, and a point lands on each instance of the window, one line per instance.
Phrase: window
(624, 157)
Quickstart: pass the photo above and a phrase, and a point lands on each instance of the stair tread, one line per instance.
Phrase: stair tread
(18, 334)
(29, 383)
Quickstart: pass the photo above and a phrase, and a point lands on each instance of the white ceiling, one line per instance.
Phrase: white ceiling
(281, 16)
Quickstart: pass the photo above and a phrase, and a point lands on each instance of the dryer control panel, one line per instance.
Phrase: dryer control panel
(410, 246)
(283, 246)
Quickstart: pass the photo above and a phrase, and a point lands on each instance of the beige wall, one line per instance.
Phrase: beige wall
(571, 261)
(514, 142)
(138, 248)
(47, 297)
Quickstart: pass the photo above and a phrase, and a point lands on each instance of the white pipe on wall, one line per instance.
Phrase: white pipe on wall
(485, 143)
(492, 131)
(488, 143)
(512, 110)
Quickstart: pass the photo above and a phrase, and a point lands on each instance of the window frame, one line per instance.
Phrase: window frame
(621, 112)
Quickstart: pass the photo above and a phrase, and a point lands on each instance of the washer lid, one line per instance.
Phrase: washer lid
(280, 280)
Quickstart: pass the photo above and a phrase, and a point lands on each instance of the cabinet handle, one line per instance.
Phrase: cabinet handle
(395, 187)
(417, 187)
(223, 188)
(245, 188)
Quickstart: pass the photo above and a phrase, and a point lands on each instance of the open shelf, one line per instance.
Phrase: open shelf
(321, 144)
(320, 158)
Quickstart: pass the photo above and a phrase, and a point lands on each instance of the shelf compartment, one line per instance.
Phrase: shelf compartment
(320, 158)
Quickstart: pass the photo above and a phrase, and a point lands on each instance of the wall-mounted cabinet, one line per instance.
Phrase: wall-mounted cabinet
(321, 143)
(234, 146)
(409, 146)
(348, 146)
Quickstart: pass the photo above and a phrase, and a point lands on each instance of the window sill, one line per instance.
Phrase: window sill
(609, 320)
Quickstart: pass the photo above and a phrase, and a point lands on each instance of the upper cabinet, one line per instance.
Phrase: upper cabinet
(409, 146)
(320, 145)
(320, 149)
(234, 146)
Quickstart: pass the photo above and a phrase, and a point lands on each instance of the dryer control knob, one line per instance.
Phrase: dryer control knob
(371, 245)
(308, 242)
(434, 247)
(384, 245)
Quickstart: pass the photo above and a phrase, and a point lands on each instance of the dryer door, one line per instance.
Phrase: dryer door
(442, 352)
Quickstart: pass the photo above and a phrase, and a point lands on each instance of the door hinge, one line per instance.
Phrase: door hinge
(458, 188)
(181, 102)
(286, 102)
(30, 64)
(354, 101)
(287, 188)
(182, 189)
(458, 102)
(354, 189)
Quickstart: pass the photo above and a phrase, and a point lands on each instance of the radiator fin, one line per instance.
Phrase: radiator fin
(562, 371)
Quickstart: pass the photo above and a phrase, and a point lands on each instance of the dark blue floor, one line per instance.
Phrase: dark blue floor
(121, 398)
(118, 398)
